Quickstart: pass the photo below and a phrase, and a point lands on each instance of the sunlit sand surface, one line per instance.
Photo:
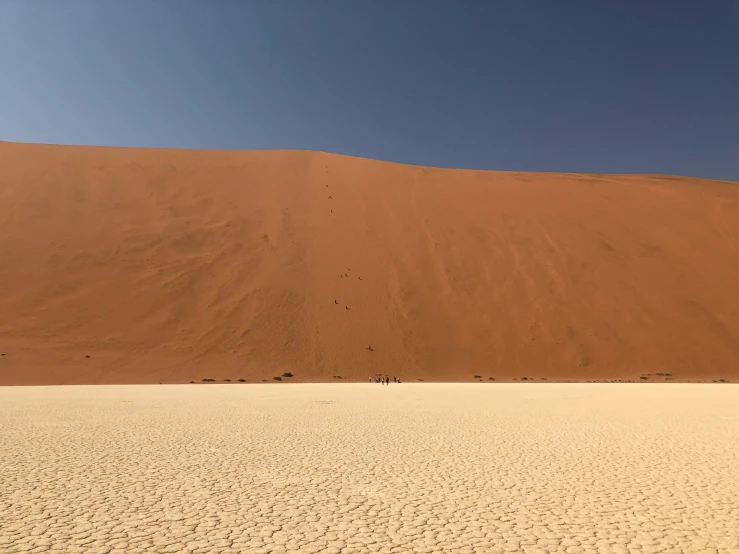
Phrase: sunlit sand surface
(342, 468)
(148, 266)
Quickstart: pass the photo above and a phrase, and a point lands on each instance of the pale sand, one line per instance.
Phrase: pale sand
(177, 265)
(449, 468)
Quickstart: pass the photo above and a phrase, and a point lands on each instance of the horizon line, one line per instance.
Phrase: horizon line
(367, 158)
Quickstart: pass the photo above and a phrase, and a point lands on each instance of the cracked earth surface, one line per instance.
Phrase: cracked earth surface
(349, 468)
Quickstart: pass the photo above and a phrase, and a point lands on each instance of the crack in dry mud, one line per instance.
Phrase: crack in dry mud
(416, 468)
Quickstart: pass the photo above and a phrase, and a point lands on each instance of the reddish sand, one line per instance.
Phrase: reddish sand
(175, 266)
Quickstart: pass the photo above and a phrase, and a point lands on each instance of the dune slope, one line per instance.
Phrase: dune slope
(121, 265)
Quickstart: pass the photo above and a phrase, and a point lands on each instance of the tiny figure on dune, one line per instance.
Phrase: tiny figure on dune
(370, 348)
(347, 307)
(336, 301)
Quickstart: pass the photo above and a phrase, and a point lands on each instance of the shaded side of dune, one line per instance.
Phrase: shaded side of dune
(122, 265)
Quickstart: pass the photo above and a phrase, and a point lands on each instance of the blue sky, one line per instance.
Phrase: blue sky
(575, 86)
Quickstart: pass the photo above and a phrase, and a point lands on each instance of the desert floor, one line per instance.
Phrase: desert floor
(446, 468)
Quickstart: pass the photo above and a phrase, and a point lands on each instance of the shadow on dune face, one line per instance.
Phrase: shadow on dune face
(167, 266)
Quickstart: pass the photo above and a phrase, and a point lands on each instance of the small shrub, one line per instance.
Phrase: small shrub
(524, 378)
(192, 382)
(337, 377)
(264, 380)
(543, 378)
(87, 355)
(242, 380)
(491, 378)
(478, 377)
(209, 380)
(227, 380)
(277, 378)
(668, 374)
(643, 377)
(287, 374)
(722, 380)
(421, 380)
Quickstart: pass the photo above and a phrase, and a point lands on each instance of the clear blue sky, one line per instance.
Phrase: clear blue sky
(575, 85)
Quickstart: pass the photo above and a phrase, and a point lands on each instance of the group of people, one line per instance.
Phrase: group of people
(385, 380)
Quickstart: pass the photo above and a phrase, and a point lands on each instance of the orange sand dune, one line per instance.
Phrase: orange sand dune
(175, 266)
